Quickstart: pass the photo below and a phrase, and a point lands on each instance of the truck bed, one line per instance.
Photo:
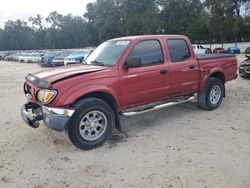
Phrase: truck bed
(213, 56)
(226, 63)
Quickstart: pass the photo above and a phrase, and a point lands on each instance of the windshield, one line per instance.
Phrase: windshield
(108, 53)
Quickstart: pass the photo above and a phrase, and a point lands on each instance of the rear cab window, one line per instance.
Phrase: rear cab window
(178, 50)
(149, 51)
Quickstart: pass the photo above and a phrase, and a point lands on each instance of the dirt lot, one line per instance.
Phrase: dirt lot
(181, 146)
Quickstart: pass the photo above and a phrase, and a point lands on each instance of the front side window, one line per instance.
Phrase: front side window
(178, 50)
(108, 53)
(149, 51)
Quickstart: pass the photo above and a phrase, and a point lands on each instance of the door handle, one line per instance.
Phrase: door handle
(192, 67)
(164, 71)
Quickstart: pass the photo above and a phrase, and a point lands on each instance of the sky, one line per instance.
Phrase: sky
(23, 9)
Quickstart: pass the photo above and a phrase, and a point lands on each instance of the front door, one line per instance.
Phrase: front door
(149, 82)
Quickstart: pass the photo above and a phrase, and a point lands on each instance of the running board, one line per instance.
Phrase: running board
(157, 107)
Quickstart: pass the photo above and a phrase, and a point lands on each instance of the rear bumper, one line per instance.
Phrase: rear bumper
(53, 118)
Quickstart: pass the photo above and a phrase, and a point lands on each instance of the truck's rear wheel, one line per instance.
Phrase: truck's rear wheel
(91, 124)
(212, 95)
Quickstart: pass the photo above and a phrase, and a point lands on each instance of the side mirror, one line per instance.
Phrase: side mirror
(247, 55)
(132, 62)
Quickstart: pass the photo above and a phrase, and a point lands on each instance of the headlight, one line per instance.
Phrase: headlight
(39, 95)
(46, 96)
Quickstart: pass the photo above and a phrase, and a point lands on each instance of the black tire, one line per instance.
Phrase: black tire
(87, 106)
(204, 100)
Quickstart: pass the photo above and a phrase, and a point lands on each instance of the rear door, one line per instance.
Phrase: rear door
(148, 83)
(184, 68)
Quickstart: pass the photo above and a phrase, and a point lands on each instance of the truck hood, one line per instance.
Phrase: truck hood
(55, 74)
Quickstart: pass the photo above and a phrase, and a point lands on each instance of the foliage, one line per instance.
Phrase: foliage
(201, 20)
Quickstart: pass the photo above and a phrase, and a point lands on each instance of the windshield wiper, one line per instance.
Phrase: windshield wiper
(97, 63)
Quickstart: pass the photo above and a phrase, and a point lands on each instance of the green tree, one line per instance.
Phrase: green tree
(179, 15)
(201, 20)
(139, 17)
(104, 16)
(37, 22)
(17, 35)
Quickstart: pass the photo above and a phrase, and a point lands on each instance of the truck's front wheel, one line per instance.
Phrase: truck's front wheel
(91, 124)
(212, 95)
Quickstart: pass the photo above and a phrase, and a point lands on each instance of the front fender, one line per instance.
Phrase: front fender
(76, 94)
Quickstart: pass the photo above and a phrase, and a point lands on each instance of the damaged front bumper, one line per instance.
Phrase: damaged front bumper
(53, 118)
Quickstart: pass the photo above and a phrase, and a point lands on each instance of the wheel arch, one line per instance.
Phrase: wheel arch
(220, 75)
(215, 74)
(105, 96)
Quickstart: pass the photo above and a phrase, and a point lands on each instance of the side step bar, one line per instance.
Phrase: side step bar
(157, 107)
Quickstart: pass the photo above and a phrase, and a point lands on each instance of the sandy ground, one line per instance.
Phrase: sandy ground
(181, 146)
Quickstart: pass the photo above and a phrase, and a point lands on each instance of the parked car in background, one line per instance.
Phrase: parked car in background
(77, 57)
(10, 57)
(209, 51)
(199, 49)
(247, 51)
(2, 55)
(233, 50)
(59, 60)
(46, 59)
(219, 51)
(30, 57)
(244, 68)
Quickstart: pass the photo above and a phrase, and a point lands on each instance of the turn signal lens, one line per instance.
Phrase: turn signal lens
(49, 95)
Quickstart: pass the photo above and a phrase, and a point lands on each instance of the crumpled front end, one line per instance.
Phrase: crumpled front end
(53, 118)
(36, 111)
(31, 114)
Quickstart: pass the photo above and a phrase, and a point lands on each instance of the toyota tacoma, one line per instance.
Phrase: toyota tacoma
(124, 76)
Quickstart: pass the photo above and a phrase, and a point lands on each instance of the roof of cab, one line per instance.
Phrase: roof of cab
(143, 37)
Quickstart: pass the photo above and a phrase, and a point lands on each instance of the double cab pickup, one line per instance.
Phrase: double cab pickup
(124, 76)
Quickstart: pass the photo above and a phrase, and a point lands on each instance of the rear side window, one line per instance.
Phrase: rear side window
(178, 50)
(149, 51)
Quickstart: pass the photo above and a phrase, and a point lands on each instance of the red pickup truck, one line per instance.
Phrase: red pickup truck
(124, 76)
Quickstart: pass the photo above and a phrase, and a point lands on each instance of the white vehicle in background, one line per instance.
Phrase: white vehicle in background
(30, 58)
(199, 49)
